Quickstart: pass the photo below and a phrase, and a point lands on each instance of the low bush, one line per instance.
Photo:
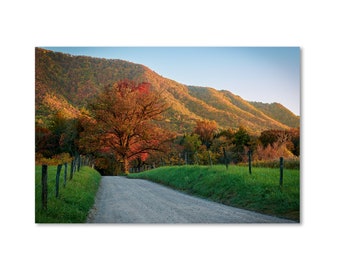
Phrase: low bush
(293, 164)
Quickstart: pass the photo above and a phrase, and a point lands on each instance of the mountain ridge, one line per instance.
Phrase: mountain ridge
(77, 79)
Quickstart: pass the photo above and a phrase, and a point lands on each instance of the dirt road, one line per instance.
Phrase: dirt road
(123, 200)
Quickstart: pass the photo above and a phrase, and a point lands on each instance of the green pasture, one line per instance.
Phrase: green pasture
(75, 199)
(259, 191)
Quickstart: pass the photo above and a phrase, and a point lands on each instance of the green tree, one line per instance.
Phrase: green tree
(191, 143)
(60, 136)
(241, 141)
(66, 130)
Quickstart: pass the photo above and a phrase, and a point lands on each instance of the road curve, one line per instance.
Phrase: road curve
(123, 200)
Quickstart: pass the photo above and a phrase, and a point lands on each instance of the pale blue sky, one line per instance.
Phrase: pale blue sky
(266, 74)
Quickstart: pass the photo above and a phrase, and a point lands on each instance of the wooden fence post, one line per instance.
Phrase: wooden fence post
(281, 171)
(71, 169)
(225, 158)
(44, 186)
(65, 174)
(74, 165)
(78, 166)
(249, 161)
(57, 180)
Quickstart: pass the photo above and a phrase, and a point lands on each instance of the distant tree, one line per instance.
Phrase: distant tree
(227, 133)
(296, 141)
(46, 143)
(66, 131)
(241, 141)
(221, 145)
(272, 152)
(122, 123)
(59, 136)
(290, 139)
(191, 143)
(268, 137)
(271, 136)
(206, 130)
(241, 137)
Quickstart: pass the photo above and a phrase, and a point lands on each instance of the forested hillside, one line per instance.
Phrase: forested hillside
(123, 115)
(68, 83)
(278, 112)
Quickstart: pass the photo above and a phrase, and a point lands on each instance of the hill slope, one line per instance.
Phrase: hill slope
(278, 112)
(68, 82)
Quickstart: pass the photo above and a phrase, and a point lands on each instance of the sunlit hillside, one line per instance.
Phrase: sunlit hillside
(65, 82)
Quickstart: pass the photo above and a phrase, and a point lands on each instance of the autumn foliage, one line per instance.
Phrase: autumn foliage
(83, 106)
(56, 141)
(120, 129)
(122, 122)
(206, 130)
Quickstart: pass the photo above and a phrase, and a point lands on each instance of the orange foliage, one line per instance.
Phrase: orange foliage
(60, 105)
(273, 152)
(206, 130)
(53, 161)
(122, 124)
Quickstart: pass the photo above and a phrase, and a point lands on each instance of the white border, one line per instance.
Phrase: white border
(27, 24)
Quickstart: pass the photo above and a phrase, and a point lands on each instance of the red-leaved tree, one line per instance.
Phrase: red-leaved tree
(122, 123)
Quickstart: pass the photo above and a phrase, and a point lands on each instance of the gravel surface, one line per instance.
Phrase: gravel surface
(123, 200)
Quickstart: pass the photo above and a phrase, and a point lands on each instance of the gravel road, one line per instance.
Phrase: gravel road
(123, 200)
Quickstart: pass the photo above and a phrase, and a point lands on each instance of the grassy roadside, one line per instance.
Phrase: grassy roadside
(259, 192)
(74, 201)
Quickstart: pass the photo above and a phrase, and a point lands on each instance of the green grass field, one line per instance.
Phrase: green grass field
(259, 191)
(74, 201)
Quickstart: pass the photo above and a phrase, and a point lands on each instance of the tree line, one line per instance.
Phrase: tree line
(118, 130)
(209, 145)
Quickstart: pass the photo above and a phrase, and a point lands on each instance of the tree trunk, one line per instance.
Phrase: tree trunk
(79, 162)
(126, 165)
(65, 174)
(44, 186)
(71, 169)
(226, 161)
(249, 161)
(57, 180)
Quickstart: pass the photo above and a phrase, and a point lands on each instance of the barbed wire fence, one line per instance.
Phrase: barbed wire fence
(75, 164)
